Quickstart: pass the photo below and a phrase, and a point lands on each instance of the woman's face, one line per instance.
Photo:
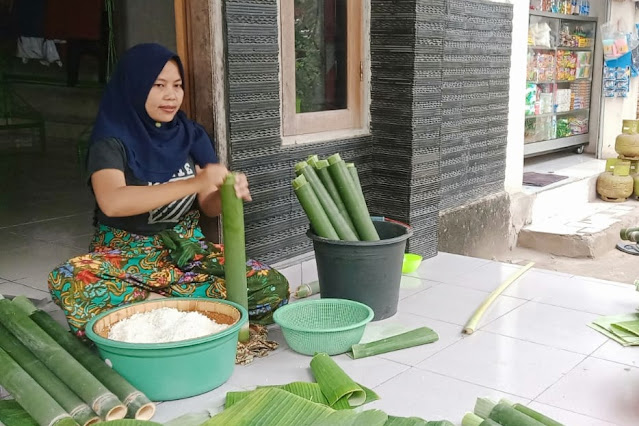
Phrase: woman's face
(165, 97)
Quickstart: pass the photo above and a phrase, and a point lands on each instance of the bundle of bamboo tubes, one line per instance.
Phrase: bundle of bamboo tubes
(54, 377)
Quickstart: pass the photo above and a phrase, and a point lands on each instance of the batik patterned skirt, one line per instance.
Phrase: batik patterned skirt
(124, 268)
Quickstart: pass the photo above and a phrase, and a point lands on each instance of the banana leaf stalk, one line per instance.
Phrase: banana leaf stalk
(503, 414)
(68, 400)
(419, 336)
(473, 322)
(472, 419)
(547, 421)
(30, 395)
(353, 200)
(321, 168)
(234, 249)
(337, 220)
(138, 405)
(306, 290)
(314, 211)
(102, 401)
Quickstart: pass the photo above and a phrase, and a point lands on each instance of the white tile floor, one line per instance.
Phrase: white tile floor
(532, 346)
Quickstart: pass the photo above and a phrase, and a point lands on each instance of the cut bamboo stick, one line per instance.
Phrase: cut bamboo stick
(472, 323)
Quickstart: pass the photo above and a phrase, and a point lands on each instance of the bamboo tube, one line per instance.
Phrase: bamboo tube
(321, 168)
(68, 400)
(234, 249)
(352, 198)
(30, 395)
(625, 232)
(334, 216)
(307, 289)
(316, 215)
(70, 371)
(472, 323)
(138, 405)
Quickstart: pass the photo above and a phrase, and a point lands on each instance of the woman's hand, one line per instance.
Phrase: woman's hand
(241, 187)
(210, 177)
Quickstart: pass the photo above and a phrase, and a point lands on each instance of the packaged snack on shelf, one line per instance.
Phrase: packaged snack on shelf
(531, 98)
(545, 103)
(531, 68)
(562, 97)
(563, 128)
(578, 125)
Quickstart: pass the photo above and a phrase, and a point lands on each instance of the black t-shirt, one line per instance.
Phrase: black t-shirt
(110, 154)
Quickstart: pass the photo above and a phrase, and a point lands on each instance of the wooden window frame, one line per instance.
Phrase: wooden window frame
(182, 41)
(351, 118)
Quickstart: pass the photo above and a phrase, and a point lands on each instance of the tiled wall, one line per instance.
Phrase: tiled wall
(437, 111)
(475, 84)
(275, 223)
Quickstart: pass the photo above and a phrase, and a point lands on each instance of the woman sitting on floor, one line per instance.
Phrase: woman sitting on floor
(148, 164)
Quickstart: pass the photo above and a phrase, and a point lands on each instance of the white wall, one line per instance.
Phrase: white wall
(617, 109)
(598, 8)
(517, 95)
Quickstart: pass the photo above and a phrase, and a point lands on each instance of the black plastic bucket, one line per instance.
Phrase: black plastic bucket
(365, 271)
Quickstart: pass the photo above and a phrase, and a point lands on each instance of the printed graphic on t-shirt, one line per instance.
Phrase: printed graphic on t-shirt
(174, 211)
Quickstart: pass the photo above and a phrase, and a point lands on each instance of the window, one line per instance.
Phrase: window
(322, 74)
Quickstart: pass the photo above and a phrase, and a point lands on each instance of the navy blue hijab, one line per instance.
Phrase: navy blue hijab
(154, 154)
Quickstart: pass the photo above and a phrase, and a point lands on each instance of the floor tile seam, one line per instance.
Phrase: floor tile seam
(13, 280)
(461, 337)
(26, 284)
(591, 354)
(504, 314)
(576, 412)
(563, 376)
(593, 280)
(536, 343)
(58, 241)
(487, 292)
(572, 309)
(40, 221)
(409, 367)
(432, 318)
(555, 273)
(527, 398)
(433, 285)
(634, 367)
(560, 307)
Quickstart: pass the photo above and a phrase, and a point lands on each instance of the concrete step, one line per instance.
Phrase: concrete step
(569, 220)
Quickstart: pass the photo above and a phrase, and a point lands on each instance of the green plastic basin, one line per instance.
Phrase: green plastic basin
(168, 371)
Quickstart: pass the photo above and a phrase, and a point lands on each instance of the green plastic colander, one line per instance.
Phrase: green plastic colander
(323, 325)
